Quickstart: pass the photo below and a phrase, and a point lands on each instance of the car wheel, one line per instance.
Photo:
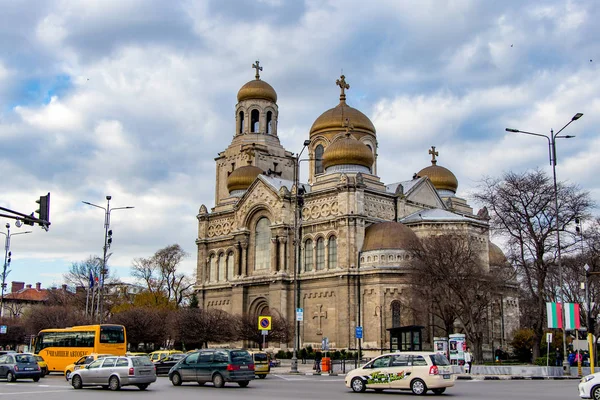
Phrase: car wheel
(113, 383)
(42, 374)
(143, 386)
(358, 385)
(263, 376)
(176, 379)
(36, 379)
(596, 393)
(438, 391)
(243, 383)
(76, 382)
(418, 387)
(218, 381)
(10, 377)
(67, 375)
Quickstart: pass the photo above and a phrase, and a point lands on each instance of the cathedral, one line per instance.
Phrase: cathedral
(335, 245)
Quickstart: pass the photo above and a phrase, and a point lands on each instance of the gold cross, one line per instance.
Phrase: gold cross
(318, 315)
(433, 154)
(349, 126)
(343, 85)
(258, 68)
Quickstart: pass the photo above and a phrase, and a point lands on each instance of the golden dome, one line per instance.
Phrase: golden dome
(389, 235)
(442, 178)
(257, 89)
(496, 256)
(347, 151)
(241, 178)
(335, 118)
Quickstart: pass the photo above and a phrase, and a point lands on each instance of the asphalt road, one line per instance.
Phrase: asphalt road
(54, 387)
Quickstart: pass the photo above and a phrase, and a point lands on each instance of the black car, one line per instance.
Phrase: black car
(15, 366)
(164, 365)
(214, 365)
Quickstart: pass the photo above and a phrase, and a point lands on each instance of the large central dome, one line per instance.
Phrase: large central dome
(347, 151)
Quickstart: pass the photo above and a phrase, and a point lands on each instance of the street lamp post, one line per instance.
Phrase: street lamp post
(7, 258)
(552, 154)
(107, 243)
(294, 367)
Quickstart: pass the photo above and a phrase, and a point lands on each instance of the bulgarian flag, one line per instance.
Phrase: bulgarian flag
(554, 315)
(572, 320)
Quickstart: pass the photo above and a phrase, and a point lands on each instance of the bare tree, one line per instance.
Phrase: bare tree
(195, 327)
(144, 325)
(522, 210)
(79, 272)
(451, 267)
(159, 274)
(247, 326)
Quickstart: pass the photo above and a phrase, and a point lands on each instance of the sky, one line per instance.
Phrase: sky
(135, 98)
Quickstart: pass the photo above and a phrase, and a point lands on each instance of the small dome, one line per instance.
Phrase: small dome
(335, 118)
(241, 178)
(496, 255)
(389, 236)
(257, 89)
(347, 151)
(442, 178)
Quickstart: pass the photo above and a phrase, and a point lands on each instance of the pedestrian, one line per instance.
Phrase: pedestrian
(468, 359)
(586, 359)
(571, 358)
(559, 357)
(318, 358)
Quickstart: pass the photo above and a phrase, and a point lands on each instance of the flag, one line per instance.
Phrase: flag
(91, 280)
(572, 320)
(554, 315)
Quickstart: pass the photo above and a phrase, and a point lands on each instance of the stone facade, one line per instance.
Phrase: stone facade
(246, 247)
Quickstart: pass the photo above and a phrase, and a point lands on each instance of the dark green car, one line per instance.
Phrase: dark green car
(214, 365)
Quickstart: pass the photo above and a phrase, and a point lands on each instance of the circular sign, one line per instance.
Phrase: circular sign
(264, 323)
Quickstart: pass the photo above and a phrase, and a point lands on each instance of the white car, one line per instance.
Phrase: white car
(589, 386)
(417, 371)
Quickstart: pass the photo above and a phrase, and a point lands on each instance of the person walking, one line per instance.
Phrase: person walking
(559, 357)
(318, 358)
(468, 359)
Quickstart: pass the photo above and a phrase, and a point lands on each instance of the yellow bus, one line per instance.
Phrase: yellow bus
(61, 347)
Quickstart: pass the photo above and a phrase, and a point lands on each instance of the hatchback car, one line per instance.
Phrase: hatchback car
(15, 366)
(82, 362)
(214, 365)
(158, 355)
(41, 362)
(415, 371)
(114, 372)
(589, 386)
(164, 365)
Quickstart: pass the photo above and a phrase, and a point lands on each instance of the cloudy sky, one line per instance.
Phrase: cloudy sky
(134, 99)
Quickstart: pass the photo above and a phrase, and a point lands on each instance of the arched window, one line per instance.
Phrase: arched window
(230, 266)
(319, 159)
(262, 259)
(213, 269)
(221, 277)
(254, 121)
(395, 306)
(332, 253)
(320, 254)
(269, 121)
(308, 255)
(241, 122)
(371, 150)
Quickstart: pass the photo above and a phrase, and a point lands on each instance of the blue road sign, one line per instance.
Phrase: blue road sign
(359, 332)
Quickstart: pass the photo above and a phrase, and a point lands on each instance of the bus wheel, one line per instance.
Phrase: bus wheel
(113, 383)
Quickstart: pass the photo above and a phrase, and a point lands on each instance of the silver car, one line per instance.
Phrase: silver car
(113, 372)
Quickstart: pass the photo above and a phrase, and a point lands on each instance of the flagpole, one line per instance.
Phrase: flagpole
(87, 300)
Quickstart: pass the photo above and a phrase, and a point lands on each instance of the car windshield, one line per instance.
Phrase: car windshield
(141, 361)
(238, 356)
(260, 357)
(439, 359)
(24, 358)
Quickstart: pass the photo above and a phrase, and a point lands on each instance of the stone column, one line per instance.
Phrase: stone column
(274, 258)
(326, 254)
(244, 259)
(282, 257)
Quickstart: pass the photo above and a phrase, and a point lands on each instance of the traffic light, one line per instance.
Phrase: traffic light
(44, 210)
(28, 221)
(109, 237)
(9, 257)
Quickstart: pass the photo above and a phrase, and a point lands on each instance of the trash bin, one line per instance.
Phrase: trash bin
(326, 364)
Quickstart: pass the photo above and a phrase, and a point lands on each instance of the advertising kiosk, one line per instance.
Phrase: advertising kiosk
(440, 345)
(457, 345)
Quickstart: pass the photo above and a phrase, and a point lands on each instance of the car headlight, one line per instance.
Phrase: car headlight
(587, 378)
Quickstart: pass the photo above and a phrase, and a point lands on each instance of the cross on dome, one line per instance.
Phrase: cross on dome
(343, 86)
(258, 68)
(433, 154)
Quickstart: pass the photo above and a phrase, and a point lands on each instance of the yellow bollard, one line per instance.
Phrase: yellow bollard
(579, 358)
(591, 346)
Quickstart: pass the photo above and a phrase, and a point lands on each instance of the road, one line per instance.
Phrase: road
(54, 387)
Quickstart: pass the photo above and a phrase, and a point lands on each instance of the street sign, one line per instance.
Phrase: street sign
(325, 343)
(264, 323)
(264, 333)
(548, 337)
(3, 328)
(299, 314)
(359, 332)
